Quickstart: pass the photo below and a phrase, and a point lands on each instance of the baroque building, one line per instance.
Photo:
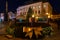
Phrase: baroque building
(39, 8)
(11, 15)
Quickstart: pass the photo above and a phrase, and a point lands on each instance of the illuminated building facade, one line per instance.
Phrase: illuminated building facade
(1, 17)
(55, 16)
(39, 8)
(11, 15)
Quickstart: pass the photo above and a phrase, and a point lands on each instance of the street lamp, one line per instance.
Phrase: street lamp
(47, 13)
(33, 16)
(48, 16)
(36, 19)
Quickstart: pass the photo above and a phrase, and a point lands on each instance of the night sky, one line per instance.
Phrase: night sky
(13, 4)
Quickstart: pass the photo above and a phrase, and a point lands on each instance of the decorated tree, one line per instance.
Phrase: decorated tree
(29, 14)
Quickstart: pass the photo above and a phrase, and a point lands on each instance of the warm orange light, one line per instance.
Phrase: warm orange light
(36, 17)
(39, 28)
(32, 15)
(48, 16)
(47, 13)
(24, 29)
(29, 29)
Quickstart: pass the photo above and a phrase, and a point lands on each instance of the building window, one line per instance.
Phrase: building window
(39, 12)
(44, 5)
(35, 11)
(39, 6)
(33, 7)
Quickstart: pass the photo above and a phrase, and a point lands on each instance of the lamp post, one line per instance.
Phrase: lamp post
(49, 15)
(33, 20)
(6, 10)
(33, 16)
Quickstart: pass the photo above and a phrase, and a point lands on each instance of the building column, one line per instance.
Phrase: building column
(41, 9)
(22, 12)
(34, 11)
(37, 11)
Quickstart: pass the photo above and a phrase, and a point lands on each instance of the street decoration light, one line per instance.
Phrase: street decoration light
(29, 29)
(36, 31)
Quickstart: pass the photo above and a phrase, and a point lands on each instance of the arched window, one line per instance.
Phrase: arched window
(35, 11)
(33, 7)
(39, 6)
(39, 12)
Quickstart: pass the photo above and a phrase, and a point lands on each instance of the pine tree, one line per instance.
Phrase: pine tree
(29, 14)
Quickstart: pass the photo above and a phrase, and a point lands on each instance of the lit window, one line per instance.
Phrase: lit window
(48, 16)
(39, 6)
(44, 5)
(33, 7)
(39, 11)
